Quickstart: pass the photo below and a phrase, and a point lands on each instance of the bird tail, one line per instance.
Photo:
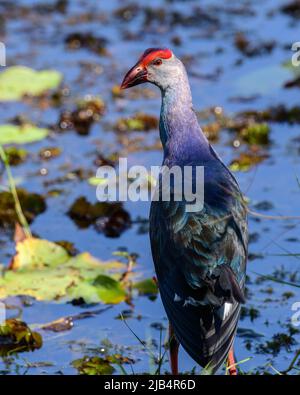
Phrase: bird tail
(207, 343)
(220, 342)
(215, 344)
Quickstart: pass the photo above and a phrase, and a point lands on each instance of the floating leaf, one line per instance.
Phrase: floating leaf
(36, 253)
(86, 262)
(93, 366)
(84, 290)
(17, 81)
(146, 287)
(139, 122)
(16, 336)
(256, 133)
(246, 160)
(67, 245)
(21, 134)
(43, 284)
(45, 270)
(109, 290)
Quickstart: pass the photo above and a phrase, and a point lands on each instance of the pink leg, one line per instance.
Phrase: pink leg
(174, 347)
(231, 362)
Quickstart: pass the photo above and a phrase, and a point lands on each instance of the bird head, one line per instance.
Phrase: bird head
(157, 65)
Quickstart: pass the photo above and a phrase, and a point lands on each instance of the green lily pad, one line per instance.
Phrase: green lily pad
(146, 287)
(139, 122)
(34, 253)
(21, 134)
(47, 284)
(246, 161)
(93, 366)
(45, 270)
(109, 290)
(17, 81)
(256, 133)
(83, 290)
(89, 265)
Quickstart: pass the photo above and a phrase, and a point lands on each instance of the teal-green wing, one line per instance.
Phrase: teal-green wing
(200, 261)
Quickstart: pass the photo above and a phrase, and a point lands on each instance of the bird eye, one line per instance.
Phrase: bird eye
(157, 62)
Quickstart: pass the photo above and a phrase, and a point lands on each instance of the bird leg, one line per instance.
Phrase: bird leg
(174, 347)
(231, 363)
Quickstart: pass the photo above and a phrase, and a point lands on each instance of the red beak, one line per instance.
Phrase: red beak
(135, 76)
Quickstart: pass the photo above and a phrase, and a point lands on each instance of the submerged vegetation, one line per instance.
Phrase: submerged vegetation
(80, 268)
(16, 336)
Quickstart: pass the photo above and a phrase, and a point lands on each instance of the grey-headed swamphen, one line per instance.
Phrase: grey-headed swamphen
(199, 257)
